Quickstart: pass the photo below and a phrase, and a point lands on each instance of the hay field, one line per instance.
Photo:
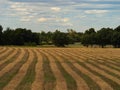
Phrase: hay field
(59, 68)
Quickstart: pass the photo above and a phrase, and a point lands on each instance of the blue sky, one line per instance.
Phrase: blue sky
(49, 15)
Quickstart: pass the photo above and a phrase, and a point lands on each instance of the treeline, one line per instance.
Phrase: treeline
(20, 36)
(23, 36)
(103, 37)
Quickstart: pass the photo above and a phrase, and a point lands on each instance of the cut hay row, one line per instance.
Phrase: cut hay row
(12, 59)
(107, 62)
(38, 82)
(79, 81)
(88, 76)
(7, 74)
(8, 57)
(71, 84)
(2, 50)
(59, 69)
(113, 81)
(112, 78)
(106, 68)
(20, 71)
(6, 53)
(29, 72)
(10, 65)
(60, 81)
(102, 77)
(49, 77)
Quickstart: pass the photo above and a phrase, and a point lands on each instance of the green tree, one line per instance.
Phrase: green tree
(43, 37)
(117, 29)
(104, 37)
(72, 34)
(1, 28)
(36, 38)
(60, 39)
(90, 31)
(8, 37)
(89, 37)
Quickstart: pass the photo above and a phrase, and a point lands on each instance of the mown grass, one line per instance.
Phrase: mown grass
(4, 80)
(28, 79)
(12, 59)
(107, 71)
(91, 84)
(112, 83)
(71, 83)
(49, 78)
(3, 50)
(109, 64)
(6, 55)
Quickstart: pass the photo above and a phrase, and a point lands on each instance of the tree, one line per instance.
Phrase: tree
(72, 34)
(116, 39)
(85, 40)
(117, 29)
(1, 28)
(8, 37)
(60, 39)
(43, 38)
(104, 36)
(36, 38)
(89, 37)
(90, 31)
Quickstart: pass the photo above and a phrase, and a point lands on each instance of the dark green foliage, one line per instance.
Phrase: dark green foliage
(116, 39)
(60, 39)
(73, 36)
(49, 78)
(20, 36)
(29, 77)
(46, 38)
(1, 28)
(89, 37)
(104, 36)
(117, 29)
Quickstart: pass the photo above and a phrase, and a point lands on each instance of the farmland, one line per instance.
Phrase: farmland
(59, 68)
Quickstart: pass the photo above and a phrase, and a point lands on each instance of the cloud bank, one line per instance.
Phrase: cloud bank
(59, 14)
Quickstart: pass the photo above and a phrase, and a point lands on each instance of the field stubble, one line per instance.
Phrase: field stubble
(59, 69)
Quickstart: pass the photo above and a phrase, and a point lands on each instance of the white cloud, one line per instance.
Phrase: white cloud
(55, 9)
(96, 11)
(25, 19)
(42, 19)
(65, 19)
(55, 19)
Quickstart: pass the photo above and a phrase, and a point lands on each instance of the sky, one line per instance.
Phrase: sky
(49, 15)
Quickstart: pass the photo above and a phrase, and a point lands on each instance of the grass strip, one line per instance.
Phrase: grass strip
(49, 78)
(12, 59)
(91, 84)
(113, 84)
(111, 73)
(7, 54)
(109, 64)
(71, 83)
(4, 80)
(2, 51)
(28, 79)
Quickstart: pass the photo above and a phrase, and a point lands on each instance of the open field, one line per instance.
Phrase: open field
(59, 68)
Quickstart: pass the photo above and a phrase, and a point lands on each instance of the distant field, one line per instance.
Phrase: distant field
(59, 68)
